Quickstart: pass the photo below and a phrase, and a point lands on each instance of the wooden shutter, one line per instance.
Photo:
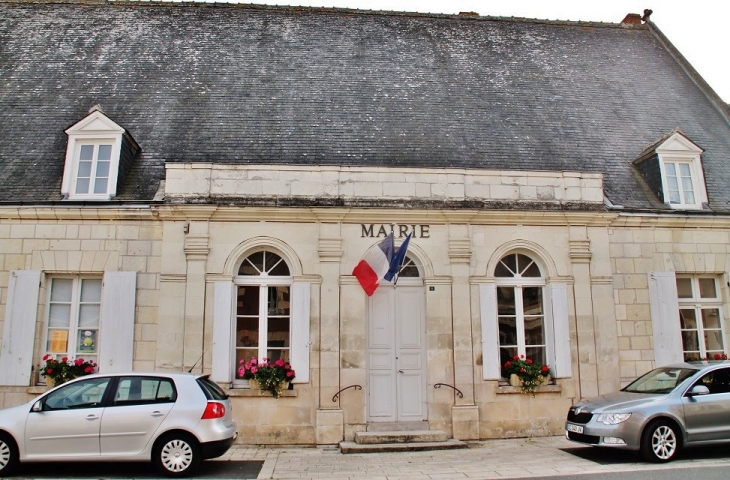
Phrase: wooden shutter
(557, 330)
(664, 307)
(21, 313)
(301, 292)
(223, 332)
(491, 368)
(116, 350)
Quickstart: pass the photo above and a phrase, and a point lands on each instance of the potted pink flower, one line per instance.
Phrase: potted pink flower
(270, 376)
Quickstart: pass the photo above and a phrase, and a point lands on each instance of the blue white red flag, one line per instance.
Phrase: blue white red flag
(397, 261)
(374, 265)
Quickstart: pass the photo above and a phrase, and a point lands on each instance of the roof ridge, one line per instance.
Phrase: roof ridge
(466, 16)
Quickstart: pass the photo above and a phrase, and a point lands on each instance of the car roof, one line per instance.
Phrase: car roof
(698, 364)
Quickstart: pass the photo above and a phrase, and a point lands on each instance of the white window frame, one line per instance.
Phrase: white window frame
(677, 150)
(698, 304)
(71, 346)
(95, 129)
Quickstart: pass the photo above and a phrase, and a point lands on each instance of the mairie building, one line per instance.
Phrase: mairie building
(186, 186)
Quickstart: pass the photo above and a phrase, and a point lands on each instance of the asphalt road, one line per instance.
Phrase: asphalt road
(242, 470)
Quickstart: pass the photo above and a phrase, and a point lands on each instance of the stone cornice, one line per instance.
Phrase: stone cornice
(330, 249)
(76, 213)
(196, 247)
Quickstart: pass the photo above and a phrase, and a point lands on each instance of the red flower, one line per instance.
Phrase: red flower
(515, 357)
(545, 368)
(49, 371)
(279, 363)
(507, 364)
(290, 373)
(522, 370)
(529, 361)
(46, 357)
(64, 359)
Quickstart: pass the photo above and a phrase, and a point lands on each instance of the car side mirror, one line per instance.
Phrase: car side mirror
(698, 390)
(37, 406)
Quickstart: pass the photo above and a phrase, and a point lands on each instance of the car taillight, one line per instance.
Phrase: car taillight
(214, 410)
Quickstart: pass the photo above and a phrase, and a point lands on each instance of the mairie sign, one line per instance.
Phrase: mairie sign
(400, 231)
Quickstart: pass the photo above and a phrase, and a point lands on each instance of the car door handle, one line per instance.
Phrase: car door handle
(157, 413)
(92, 417)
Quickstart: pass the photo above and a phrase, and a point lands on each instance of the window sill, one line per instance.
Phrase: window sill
(247, 392)
(37, 389)
(506, 389)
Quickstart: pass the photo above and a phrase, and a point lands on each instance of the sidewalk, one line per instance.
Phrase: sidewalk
(513, 458)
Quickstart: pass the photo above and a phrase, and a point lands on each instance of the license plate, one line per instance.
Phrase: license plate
(574, 428)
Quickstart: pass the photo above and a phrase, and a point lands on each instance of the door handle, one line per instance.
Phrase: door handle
(91, 417)
(400, 371)
(157, 413)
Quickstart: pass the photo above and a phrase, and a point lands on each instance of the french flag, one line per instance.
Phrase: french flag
(375, 264)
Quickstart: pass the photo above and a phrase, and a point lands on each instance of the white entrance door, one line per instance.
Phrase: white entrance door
(397, 355)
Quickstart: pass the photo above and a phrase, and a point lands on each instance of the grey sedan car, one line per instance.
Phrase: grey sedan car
(659, 413)
(174, 420)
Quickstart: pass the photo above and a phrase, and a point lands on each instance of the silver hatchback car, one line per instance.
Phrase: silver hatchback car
(175, 420)
(659, 413)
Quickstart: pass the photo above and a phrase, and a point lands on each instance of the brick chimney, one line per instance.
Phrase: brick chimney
(632, 19)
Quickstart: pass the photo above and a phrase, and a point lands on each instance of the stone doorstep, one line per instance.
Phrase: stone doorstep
(352, 447)
(412, 436)
(396, 426)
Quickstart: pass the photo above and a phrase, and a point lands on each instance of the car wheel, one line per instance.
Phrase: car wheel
(8, 454)
(660, 442)
(177, 455)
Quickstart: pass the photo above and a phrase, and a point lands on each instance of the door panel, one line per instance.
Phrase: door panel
(396, 355)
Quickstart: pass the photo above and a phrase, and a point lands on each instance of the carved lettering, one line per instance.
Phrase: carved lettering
(401, 231)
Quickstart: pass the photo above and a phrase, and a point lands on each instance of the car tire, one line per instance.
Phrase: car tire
(177, 455)
(660, 441)
(8, 454)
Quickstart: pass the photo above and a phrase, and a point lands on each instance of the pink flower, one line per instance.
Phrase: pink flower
(254, 369)
(279, 363)
(290, 373)
(241, 371)
(254, 361)
(89, 369)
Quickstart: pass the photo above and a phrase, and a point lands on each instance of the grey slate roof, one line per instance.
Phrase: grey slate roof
(273, 85)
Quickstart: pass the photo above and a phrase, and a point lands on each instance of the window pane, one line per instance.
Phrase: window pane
(506, 301)
(91, 290)
(689, 197)
(247, 302)
(61, 289)
(684, 169)
(278, 301)
(409, 269)
(257, 260)
(278, 334)
(57, 341)
(507, 332)
(102, 169)
(105, 152)
(707, 288)
(537, 354)
(247, 333)
(534, 333)
(84, 169)
(100, 185)
(713, 341)
(532, 300)
(674, 197)
(86, 152)
(82, 185)
(684, 287)
(89, 316)
(506, 267)
(87, 342)
(274, 355)
(59, 316)
(689, 341)
(687, 318)
(533, 271)
(710, 318)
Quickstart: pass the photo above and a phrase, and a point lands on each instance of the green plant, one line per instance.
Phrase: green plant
(61, 371)
(531, 373)
(271, 376)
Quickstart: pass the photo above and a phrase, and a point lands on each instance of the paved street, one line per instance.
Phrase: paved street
(515, 458)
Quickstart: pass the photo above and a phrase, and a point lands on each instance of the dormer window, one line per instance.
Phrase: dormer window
(98, 154)
(673, 169)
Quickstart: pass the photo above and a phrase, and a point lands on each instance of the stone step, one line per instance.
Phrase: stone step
(352, 447)
(400, 436)
(395, 426)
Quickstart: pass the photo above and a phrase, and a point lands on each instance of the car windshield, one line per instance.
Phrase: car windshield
(660, 380)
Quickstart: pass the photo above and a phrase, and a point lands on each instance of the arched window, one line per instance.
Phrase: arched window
(409, 269)
(263, 312)
(520, 308)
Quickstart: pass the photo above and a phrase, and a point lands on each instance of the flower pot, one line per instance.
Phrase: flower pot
(50, 383)
(545, 379)
(253, 384)
(515, 380)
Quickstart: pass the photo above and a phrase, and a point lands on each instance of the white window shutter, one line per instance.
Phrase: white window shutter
(557, 330)
(21, 312)
(491, 363)
(664, 307)
(301, 292)
(223, 332)
(117, 322)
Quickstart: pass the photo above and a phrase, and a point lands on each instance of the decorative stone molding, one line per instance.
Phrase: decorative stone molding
(580, 251)
(173, 277)
(460, 250)
(196, 247)
(330, 249)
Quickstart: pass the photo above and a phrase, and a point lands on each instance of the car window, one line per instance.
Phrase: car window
(143, 390)
(660, 380)
(82, 394)
(211, 389)
(717, 381)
